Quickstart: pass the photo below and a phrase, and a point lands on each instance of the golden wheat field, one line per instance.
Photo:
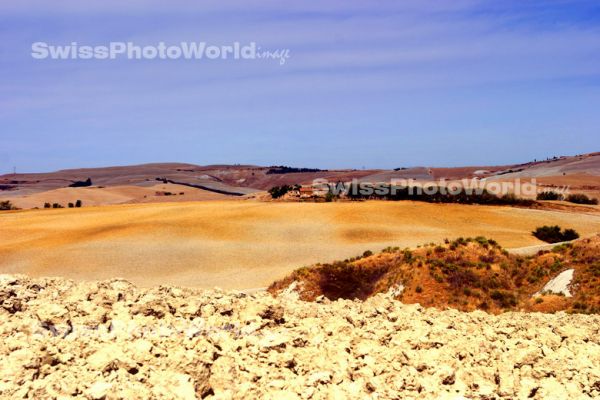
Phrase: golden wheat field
(243, 244)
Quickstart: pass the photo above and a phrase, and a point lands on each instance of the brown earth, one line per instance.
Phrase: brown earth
(244, 244)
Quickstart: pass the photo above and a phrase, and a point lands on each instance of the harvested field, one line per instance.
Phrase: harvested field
(97, 196)
(244, 244)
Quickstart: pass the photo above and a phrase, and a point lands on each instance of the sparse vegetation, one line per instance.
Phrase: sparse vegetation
(553, 234)
(471, 273)
(580, 198)
(504, 298)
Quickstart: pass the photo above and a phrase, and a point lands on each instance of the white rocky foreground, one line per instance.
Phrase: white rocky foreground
(111, 340)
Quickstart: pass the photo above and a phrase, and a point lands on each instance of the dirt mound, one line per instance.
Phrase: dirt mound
(110, 340)
(466, 274)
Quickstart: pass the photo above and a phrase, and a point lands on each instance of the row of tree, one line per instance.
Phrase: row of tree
(77, 204)
(577, 198)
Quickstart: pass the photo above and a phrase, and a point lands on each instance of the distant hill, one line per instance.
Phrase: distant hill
(580, 172)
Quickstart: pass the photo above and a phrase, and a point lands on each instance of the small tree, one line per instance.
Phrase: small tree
(6, 205)
(47, 205)
(78, 203)
(278, 191)
(71, 205)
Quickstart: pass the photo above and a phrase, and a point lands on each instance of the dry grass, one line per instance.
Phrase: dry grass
(243, 244)
(466, 274)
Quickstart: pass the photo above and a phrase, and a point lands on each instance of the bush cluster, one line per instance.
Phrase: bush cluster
(77, 204)
(553, 234)
(580, 198)
(437, 196)
(550, 195)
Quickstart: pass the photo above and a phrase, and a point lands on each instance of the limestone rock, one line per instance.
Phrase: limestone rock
(111, 340)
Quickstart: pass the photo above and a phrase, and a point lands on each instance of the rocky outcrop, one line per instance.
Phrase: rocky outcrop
(111, 340)
(560, 284)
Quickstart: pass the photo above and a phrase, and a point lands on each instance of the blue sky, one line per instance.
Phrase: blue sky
(375, 84)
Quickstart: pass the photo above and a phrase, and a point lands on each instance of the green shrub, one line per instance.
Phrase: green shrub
(419, 289)
(482, 241)
(408, 256)
(47, 205)
(78, 203)
(556, 266)
(503, 298)
(278, 191)
(561, 248)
